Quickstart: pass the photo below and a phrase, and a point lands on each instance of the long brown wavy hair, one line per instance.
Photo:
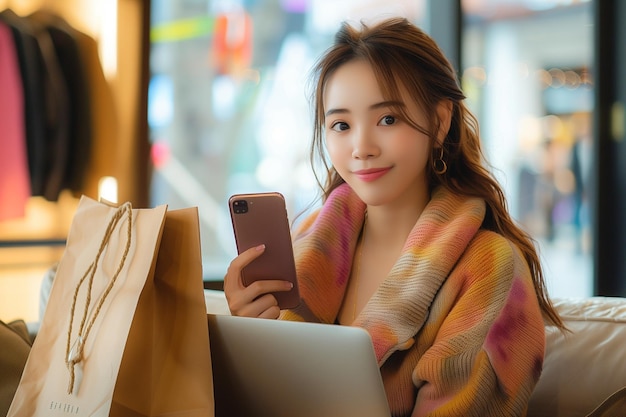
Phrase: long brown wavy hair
(404, 57)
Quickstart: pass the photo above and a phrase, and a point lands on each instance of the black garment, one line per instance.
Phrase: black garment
(31, 70)
(57, 113)
(74, 75)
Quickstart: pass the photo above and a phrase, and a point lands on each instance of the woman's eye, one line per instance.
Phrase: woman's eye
(339, 126)
(387, 120)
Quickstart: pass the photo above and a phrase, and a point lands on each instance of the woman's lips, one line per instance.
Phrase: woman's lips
(372, 174)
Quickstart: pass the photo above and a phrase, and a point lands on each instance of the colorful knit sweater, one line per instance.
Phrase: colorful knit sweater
(456, 325)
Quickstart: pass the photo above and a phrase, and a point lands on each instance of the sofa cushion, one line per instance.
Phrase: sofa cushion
(584, 367)
(14, 350)
(614, 406)
(216, 303)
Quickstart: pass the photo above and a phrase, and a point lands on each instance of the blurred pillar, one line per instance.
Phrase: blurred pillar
(444, 26)
(610, 160)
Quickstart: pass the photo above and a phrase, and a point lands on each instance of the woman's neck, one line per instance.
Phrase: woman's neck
(387, 225)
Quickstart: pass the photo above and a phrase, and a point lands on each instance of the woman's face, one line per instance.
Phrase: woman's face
(380, 155)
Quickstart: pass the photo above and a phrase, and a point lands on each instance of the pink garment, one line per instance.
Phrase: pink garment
(14, 177)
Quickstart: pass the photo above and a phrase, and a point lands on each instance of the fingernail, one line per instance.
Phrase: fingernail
(260, 247)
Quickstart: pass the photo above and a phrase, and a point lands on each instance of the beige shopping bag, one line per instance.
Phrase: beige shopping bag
(124, 332)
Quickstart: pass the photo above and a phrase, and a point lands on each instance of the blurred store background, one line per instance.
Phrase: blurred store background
(229, 109)
(210, 97)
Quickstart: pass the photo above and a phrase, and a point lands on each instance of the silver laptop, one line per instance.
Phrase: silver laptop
(273, 368)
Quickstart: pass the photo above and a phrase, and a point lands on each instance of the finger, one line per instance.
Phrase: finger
(256, 298)
(232, 280)
(260, 307)
(271, 313)
(264, 286)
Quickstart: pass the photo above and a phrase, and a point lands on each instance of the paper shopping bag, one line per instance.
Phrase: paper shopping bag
(124, 332)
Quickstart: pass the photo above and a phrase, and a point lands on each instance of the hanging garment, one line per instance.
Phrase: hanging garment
(31, 71)
(105, 125)
(73, 72)
(14, 178)
(57, 113)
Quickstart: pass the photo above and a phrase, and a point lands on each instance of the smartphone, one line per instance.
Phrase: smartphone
(262, 218)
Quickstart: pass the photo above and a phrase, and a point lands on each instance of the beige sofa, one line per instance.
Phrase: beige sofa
(583, 368)
(584, 371)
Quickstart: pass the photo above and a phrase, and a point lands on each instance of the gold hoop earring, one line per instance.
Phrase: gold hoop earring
(439, 165)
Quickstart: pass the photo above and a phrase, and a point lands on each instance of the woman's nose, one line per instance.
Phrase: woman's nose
(363, 146)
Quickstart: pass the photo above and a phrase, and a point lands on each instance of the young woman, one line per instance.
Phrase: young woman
(413, 241)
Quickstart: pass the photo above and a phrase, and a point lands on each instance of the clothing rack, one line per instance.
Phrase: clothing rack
(66, 116)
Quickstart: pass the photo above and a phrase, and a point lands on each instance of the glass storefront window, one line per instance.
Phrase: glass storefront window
(229, 110)
(527, 72)
(228, 102)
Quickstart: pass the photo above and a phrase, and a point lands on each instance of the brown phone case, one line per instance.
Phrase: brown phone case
(261, 218)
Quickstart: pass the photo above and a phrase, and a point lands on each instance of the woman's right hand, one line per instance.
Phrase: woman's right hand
(254, 300)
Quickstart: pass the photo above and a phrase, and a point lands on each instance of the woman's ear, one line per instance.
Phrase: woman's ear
(444, 113)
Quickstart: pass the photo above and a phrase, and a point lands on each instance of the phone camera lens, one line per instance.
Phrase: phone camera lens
(240, 206)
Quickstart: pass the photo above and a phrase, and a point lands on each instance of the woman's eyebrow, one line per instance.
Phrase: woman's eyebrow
(375, 106)
(336, 111)
(389, 103)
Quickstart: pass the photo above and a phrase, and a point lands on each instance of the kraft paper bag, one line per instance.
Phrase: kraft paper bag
(124, 332)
